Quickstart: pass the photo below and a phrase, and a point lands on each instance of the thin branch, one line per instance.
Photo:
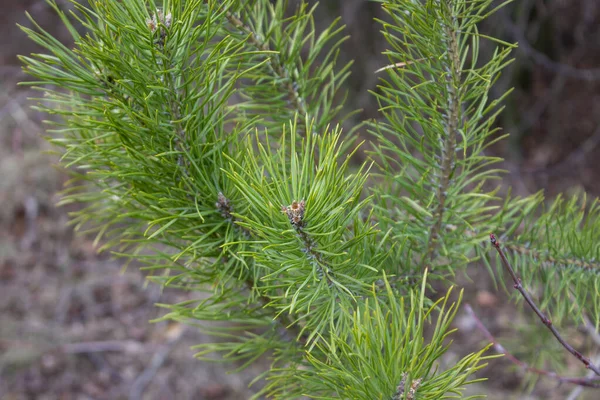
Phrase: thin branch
(574, 157)
(595, 336)
(145, 378)
(545, 320)
(579, 389)
(591, 330)
(121, 346)
(583, 382)
(533, 114)
(588, 75)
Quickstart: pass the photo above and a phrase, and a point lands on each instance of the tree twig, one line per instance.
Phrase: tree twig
(121, 346)
(588, 75)
(595, 336)
(545, 320)
(143, 380)
(591, 330)
(583, 382)
(579, 389)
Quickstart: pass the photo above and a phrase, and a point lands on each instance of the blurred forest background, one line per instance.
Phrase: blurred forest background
(73, 325)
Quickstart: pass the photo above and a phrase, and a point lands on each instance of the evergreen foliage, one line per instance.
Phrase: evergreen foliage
(554, 248)
(438, 122)
(386, 342)
(204, 142)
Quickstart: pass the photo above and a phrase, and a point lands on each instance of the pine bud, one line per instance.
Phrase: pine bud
(224, 206)
(295, 213)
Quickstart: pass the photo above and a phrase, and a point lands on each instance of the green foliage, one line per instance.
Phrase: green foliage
(299, 75)
(555, 250)
(386, 350)
(202, 139)
(438, 122)
(312, 264)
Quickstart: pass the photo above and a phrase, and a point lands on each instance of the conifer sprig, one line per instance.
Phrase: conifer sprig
(384, 355)
(298, 73)
(438, 121)
(148, 123)
(308, 213)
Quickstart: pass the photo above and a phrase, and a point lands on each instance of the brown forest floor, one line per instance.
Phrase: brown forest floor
(74, 325)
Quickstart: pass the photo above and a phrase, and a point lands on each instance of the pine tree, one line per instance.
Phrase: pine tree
(204, 141)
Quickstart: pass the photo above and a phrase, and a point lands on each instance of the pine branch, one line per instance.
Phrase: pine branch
(295, 213)
(555, 262)
(277, 66)
(299, 73)
(372, 359)
(305, 277)
(545, 320)
(157, 106)
(438, 120)
(161, 23)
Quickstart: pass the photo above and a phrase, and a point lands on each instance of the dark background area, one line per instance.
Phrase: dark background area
(73, 325)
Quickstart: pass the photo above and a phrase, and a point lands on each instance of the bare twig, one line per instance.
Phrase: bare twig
(591, 330)
(579, 389)
(583, 382)
(588, 75)
(545, 320)
(595, 336)
(574, 157)
(121, 346)
(141, 382)
(533, 114)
